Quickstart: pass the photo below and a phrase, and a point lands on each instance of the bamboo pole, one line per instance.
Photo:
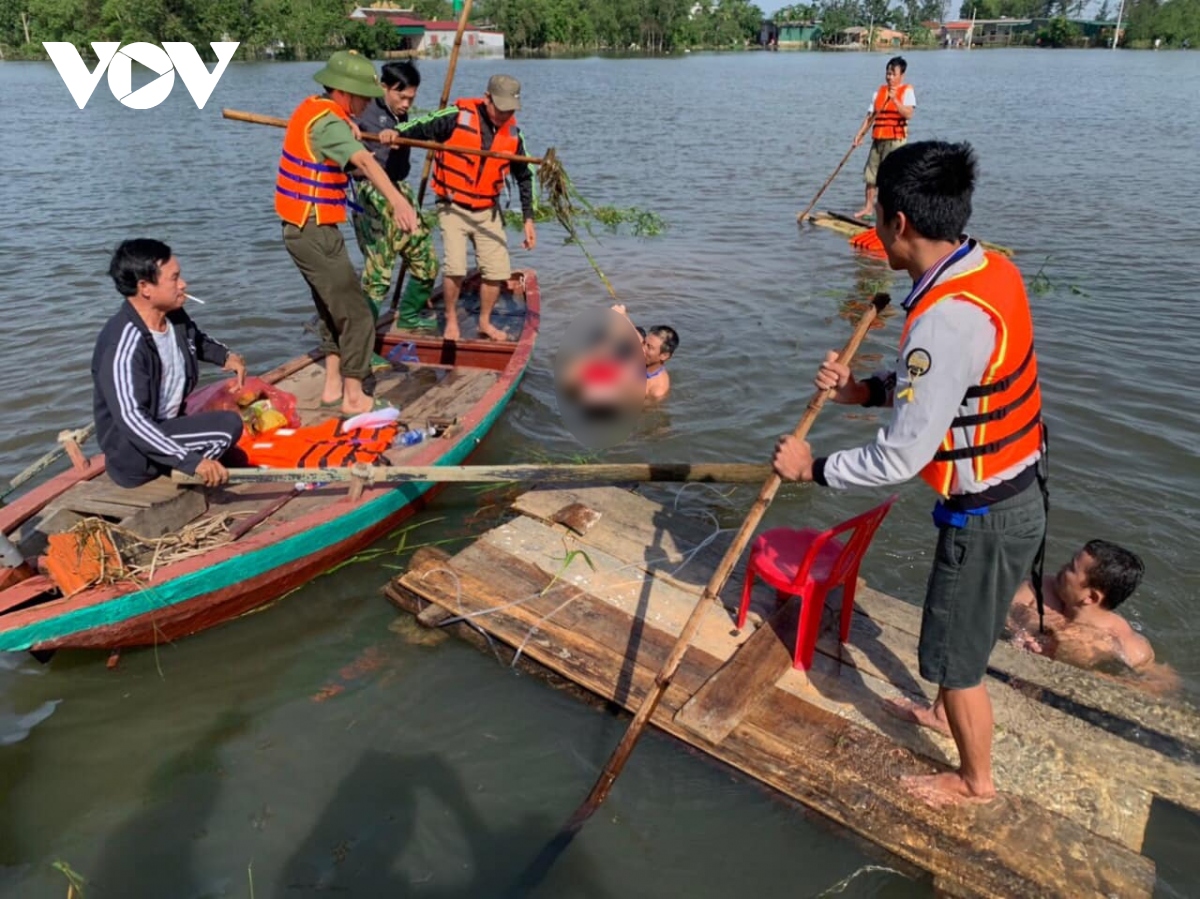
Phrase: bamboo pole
(255, 118)
(712, 592)
(425, 169)
(710, 472)
(828, 181)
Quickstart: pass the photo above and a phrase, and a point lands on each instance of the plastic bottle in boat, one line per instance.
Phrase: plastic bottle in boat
(414, 436)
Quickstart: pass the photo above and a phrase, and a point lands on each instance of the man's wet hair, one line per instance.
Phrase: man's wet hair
(137, 260)
(670, 339)
(400, 75)
(931, 182)
(1115, 572)
(897, 62)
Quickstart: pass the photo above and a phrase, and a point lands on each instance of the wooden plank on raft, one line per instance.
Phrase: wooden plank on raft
(720, 705)
(596, 645)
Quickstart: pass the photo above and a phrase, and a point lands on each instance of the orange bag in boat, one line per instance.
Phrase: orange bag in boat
(322, 445)
(75, 560)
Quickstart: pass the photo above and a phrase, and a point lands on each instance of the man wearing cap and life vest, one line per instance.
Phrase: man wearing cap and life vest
(310, 199)
(891, 108)
(378, 238)
(967, 417)
(468, 192)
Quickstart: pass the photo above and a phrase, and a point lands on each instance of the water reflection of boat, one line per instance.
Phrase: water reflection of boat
(294, 536)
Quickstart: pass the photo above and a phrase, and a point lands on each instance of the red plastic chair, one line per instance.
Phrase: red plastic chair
(809, 563)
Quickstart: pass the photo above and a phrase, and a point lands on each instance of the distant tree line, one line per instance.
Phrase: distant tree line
(1176, 22)
(315, 28)
(834, 15)
(656, 26)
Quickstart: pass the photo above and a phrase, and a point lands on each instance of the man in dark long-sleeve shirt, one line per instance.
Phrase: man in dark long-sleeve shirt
(378, 237)
(468, 190)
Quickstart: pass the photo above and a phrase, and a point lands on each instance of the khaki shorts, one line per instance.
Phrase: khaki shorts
(484, 229)
(879, 151)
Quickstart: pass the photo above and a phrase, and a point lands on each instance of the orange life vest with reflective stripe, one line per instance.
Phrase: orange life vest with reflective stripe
(305, 184)
(318, 446)
(1006, 429)
(473, 181)
(889, 124)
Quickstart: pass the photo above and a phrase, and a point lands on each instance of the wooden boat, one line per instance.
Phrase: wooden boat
(1083, 762)
(465, 385)
(850, 226)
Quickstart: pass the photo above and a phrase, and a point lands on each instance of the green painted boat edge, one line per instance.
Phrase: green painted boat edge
(241, 568)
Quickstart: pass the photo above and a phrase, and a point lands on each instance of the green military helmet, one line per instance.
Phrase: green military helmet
(349, 72)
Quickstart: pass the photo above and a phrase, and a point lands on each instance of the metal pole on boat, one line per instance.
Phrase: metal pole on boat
(1117, 29)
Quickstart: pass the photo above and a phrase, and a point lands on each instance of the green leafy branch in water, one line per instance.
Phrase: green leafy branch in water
(566, 560)
(1041, 284)
(641, 222)
(75, 880)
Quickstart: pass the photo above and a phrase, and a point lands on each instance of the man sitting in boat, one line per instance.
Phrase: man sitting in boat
(145, 363)
(1082, 626)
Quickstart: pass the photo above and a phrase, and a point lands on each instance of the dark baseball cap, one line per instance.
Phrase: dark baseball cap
(505, 91)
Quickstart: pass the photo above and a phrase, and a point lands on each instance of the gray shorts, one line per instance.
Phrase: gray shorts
(976, 572)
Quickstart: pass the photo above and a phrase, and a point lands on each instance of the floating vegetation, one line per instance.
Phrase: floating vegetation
(641, 222)
(1040, 284)
(75, 880)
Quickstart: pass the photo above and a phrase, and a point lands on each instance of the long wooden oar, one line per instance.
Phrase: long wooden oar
(255, 118)
(712, 592)
(710, 472)
(443, 102)
(828, 181)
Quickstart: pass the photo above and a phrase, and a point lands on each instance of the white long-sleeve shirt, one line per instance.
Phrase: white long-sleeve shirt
(945, 352)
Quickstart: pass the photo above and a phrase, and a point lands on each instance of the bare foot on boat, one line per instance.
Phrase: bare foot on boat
(366, 404)
(451, 332)
(863, 214)
(491, 332)
(933, 717)
(950, 788)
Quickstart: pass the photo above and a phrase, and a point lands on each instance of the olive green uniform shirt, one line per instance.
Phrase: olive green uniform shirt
(331, 138)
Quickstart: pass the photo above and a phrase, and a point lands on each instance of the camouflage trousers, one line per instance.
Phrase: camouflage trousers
(381, 242)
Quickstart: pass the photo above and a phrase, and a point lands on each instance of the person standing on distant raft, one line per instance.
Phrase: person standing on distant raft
(891, 109)
(378, 237)
(310, 199)
(468, 191)
(967, 417)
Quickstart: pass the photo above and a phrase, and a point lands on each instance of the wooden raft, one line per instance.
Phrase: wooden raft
(850, 226)
(1078, 759)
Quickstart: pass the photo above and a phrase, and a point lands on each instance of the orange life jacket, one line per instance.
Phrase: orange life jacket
(306, 184)
(889, 124)
(1006, 429)
(473, 181)
(318, 446)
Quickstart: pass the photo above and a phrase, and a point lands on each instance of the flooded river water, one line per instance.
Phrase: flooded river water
(314, 748)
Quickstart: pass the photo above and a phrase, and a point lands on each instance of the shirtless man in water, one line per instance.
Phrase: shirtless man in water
(1082, 628)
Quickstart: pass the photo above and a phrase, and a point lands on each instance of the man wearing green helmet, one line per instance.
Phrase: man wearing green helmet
(310, 199)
